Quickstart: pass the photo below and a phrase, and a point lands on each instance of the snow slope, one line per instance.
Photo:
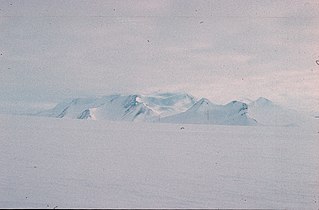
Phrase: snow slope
(65, 163)
(122, 107)
(265, 112)
(166, 104)
(205, 112)
(176, 108)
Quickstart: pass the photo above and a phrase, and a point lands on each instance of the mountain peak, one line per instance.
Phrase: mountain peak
(204, 101)
(205, 112)
(171, 107)
(237, 106)
(131, 100)
(263, 101)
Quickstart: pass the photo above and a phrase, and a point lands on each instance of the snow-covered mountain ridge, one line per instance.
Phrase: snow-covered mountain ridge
(173, 108)
(135, 107)
(205, 112)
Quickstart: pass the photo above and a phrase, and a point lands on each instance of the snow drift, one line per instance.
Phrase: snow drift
(53, 163)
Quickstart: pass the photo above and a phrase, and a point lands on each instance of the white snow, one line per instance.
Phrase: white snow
(135, 107)
(205, 112)
(265, 112)
(176, 108)
(166, 104)
(48, 162)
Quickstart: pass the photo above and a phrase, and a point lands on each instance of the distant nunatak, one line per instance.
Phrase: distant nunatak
(180, 108)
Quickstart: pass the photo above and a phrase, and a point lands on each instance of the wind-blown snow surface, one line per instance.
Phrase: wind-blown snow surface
(48, 162)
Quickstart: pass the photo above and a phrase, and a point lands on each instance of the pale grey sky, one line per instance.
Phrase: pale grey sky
(222, 50)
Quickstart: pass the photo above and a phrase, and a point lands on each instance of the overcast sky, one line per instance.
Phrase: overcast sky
(222, 50)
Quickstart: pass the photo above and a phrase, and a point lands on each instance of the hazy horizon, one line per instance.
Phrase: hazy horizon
(221, 50)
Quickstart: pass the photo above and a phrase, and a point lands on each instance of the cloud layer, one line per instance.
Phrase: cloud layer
(218, 49)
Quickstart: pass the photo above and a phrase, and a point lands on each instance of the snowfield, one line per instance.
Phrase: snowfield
(67, 163)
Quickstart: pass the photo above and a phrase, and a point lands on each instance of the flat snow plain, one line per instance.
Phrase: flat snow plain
(47, 163)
